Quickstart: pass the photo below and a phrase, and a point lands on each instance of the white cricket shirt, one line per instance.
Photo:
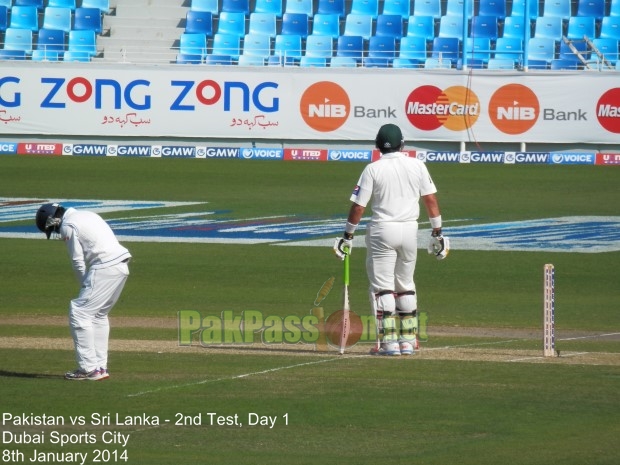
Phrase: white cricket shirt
(395, 183)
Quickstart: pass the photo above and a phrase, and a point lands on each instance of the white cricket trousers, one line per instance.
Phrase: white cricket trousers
(88, 314)
(392, 250)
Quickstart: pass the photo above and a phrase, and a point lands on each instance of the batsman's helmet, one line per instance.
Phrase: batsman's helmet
(49, 217)
(389, 138)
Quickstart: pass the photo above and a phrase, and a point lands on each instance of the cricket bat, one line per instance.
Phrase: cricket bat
(346, 320)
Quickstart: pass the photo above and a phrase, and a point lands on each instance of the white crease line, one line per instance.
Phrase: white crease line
(245, 375)
(573, 354)
(472, 345)
(587, 337)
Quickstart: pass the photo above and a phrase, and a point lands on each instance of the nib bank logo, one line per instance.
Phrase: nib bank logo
(456, 108)
(325, 106)
(514, 109)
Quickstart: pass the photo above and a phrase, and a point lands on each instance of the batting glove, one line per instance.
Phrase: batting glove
(343, 246)
(439, 245)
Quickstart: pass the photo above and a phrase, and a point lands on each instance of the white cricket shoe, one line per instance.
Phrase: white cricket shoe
(386, 348)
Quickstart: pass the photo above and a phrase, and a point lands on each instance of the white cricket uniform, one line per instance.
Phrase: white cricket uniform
(100, 265)
(395, 184)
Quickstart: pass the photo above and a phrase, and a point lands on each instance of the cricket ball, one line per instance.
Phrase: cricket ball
(333, 328)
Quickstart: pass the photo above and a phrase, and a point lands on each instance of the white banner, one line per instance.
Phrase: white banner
(307, 103)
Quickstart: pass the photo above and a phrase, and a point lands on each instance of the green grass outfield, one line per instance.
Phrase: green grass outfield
(477, 393)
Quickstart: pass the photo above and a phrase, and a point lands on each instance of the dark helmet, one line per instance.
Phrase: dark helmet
(389, 138)
(49, 217)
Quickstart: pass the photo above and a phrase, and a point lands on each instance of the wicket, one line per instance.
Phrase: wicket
(549, 312)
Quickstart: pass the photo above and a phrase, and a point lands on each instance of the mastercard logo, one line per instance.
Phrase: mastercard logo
(608, 110)
(325, 106)
(455, 108)
(514, 109)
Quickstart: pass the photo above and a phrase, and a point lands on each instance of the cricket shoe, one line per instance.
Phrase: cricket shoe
(408, 347)
(81, 375)
(386, 348)
(104, 373)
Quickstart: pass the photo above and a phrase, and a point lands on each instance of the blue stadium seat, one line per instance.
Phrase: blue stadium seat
(8, 54)
(331, 7)
(562, 64)
(57, 18)
(18, 39)
(376, 62)
(236, 6)
(484, 27)
(193, 44)
(88, 18)
(198, 22)
(414, 49)
(541, 49)
(71, 55)
(500, 63)
(389, 25)
(365, 7)
(213, 59)
(350, 46)
(295, 24)
(472, 63)
(188, 59)
(518, 8)
(427, 8)
(300, 6)
(326, 25)
(51, 40)
(358, 25)
(614, 8)
(251, 60)
(495, 8)
(71, 4)
(478, 49)
(610, 27)
(232, 22)
(288, 48)
(567, 53)
(397, 7)
(25, 17)
(594, 8)
(383, 48)
(343, 62)
(226, 44)
(45, 55)
(210, 6)
(608, 47)
(313, 62)
(559, 8)
(269, 6)
(103, 5)
(404, 63)
(319, 46)
(437, 63)
(421, 26)
(82, 41)
(580, 26)
(7, 3)
(514, 27)
(35, 3)
(549, 27)
(4, 17)
(509, 48)
(445, 49)
(456, 7)
(263, 23)
(257, 45)
(451, 26)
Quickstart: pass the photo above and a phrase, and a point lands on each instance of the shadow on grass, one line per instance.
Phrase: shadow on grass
(17, 374)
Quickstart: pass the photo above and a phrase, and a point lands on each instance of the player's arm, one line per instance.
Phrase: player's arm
(432, 208)
(344, 245)
(439, 244)
(76, 253)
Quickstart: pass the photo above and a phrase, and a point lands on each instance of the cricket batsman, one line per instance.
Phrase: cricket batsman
(395, 183)
(100, 265)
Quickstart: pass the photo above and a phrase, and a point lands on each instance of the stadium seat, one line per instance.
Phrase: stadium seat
(82, 41)
(198, 22)
(295, 24)
(499, 63)
(397, 7)
(232, 22)
(358, 25)
(456, 8)
(472, 63)
(71, 55)
(495, 8)
(18, 39)
(257, 45)
(71, 4)
(210, 6)
(610, 27)
(558, 8)
(376, 62)
(562, 64)
(236, 6)
(103, 5)
(365, 7)
(300, 6)
(549, 27)
(6, 3)
(478, 49)
(251, 60)
(541, 49)
(343, 62)
(226, 44)
(35, 3)
(451, 26)
(484, 27)
(566, 53)
(25, 17)
(383, 49)
(445, 49)
(421, 26)
(509, 48)
(193, 44)
(213, 59)
(437, 63)
(351, 47)
(389, 25)
(4, 17)
(404, 63)
(57, 18)
(45, 55)
(7, 54)
(51, 40)
(614, 8)
(88, 18)
(427, 8)
(580, 26)
(326, 25)
(313, 62)
(263, 23)
(188, 59)
(319, 46)
(514, 27)
(607, 47)
(518, 8)
(288, 48)
(331, 7)
(269, 6)
(593, 8)
(414, 49)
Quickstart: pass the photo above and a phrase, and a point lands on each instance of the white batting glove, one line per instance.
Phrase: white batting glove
(439, 245)
(343, 247)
